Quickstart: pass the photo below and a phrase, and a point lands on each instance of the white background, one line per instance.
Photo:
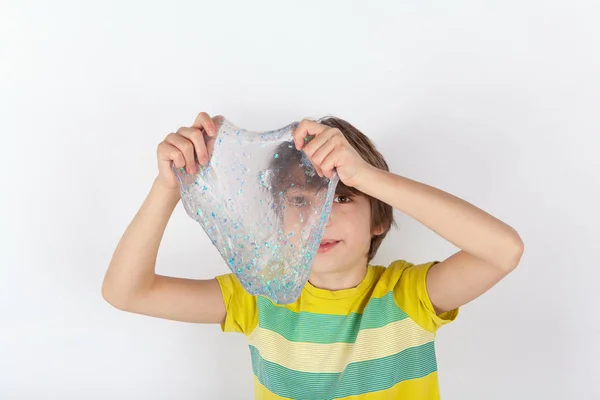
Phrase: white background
(494, 101)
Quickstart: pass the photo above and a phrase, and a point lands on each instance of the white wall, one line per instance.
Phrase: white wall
(496, 102)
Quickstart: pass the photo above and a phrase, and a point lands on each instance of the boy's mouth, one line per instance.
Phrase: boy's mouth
(327, 244)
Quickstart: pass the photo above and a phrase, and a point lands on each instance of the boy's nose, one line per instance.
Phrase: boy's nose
(329, 221)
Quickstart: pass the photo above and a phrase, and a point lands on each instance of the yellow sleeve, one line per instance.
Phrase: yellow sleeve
(240, 306)
(411, 295)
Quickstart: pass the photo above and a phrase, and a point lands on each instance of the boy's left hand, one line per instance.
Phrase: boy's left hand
(329, 150)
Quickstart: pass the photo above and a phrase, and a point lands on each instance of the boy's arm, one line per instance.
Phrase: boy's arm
(490, 249)
(131, 283)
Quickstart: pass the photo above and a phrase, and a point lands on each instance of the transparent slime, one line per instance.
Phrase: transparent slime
(263, 206)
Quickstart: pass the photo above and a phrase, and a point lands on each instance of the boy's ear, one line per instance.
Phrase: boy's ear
(377, 231)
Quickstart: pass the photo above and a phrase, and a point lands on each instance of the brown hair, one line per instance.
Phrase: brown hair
(286, 157)
(382, 214)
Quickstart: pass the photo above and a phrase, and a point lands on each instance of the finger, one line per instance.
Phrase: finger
(322, 145)
(322, 152)
(218, 120)
(186, 148)
(328, 164)
(305, 128)
(196, 136)
(210, 141)
(315, 144)
(317, 169)
(167, 154)
(320, 149)
(204, 121)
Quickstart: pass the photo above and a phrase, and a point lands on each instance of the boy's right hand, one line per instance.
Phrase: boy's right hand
(131, 282)
(186, 146)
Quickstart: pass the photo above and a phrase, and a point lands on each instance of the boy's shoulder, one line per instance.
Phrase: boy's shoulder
(388, 277)
(407, 283)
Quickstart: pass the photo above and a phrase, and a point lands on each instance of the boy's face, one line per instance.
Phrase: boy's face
(347, 237)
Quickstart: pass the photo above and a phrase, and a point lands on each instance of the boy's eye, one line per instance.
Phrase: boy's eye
(298, 201)
(342, 199)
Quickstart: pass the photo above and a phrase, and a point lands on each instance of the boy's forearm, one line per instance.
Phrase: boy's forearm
(462, 224)
(132, 266)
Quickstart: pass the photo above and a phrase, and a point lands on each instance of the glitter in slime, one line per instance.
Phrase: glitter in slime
(263, 206)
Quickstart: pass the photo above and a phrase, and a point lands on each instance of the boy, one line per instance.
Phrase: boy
(357, 330)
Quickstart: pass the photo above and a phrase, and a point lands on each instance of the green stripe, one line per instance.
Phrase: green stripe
(358, 378)
(326, 328)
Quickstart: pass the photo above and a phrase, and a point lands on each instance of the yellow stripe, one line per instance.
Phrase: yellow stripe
(425, 388)
(334, 357)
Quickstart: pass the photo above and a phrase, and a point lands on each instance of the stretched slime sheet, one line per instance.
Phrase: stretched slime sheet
(263, 206)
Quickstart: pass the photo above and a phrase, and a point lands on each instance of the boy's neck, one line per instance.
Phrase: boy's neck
(339, 280)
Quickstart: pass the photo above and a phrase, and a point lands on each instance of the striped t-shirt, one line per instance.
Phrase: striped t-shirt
(373, 341)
